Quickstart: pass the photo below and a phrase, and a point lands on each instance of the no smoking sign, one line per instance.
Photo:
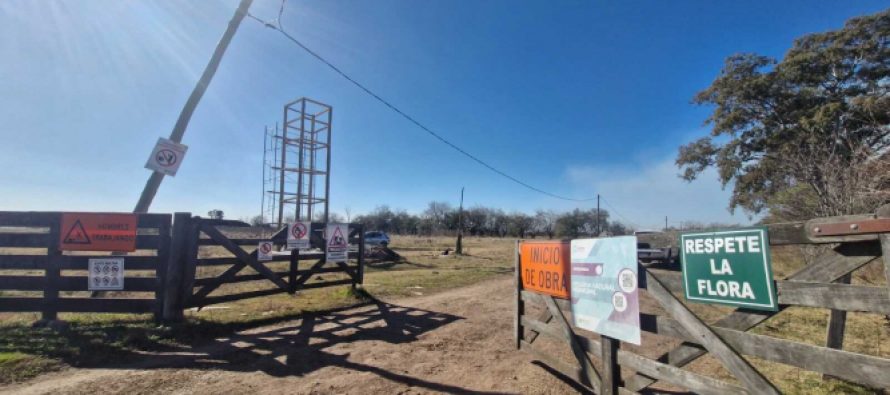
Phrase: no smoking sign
(166, 157)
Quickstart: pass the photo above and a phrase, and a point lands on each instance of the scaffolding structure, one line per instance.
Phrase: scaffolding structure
(297, 164)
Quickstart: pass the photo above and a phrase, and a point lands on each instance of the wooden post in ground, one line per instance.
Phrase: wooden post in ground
(517, 296)
(837, 323)
(361, 255)
(173, 287)
(52, 271)
(190, 259)
(292, 272)
(162, 265)
(611, 369)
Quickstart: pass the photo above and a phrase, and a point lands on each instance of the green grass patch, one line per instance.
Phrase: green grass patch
(16, 366)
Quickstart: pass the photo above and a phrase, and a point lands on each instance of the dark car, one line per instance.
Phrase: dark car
(376, 238)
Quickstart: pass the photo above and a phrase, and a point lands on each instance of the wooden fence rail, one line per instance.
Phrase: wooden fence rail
(823, 283)
(33, 238)
(165, 264)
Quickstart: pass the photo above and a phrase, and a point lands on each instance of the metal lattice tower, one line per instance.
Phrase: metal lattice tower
(271, 154)
(296, 179)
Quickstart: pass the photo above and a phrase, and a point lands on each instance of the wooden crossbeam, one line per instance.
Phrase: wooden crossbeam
(308, 274)
(249, 259)
(738, 366)
(588, 371)
(827, 268)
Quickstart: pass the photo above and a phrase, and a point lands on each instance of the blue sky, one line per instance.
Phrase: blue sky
(574, 97)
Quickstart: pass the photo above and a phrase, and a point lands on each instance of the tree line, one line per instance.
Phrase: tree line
(441, 218)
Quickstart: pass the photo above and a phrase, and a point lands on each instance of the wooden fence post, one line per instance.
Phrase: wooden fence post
(162, 267)
(52, 271)
(292, 271)
(191, 233)
(611, 369)
(837, 324)
(361, 254)
(519, 308)
(885, 251)
(173, 287)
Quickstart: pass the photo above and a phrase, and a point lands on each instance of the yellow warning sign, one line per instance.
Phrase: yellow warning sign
(98, 232)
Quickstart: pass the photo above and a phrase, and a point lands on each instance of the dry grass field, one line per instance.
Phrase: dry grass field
(100, 339)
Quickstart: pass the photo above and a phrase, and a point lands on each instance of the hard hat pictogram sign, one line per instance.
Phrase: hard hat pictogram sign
(264, 251)
(337, 244)
(98, 232)
(166, 157)
(298, 235)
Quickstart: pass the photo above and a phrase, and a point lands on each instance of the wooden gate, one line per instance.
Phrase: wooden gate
(824, 283)
(213, 254)
(35, 275)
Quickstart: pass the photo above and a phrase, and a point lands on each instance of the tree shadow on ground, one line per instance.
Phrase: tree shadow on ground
(284, 346)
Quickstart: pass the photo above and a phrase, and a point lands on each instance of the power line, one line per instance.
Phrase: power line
(612, 208)
(405, 115)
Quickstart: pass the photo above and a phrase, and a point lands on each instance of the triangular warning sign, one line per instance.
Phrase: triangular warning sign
(77, 235)
(337, 239)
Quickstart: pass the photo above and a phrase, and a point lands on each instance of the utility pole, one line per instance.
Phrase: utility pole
(460, 224)
(665, 223)
(598, 230)
(154, 181)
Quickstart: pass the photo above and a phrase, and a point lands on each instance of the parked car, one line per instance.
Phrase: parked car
(376, 238)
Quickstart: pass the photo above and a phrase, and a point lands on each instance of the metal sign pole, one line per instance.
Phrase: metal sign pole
(154, 182)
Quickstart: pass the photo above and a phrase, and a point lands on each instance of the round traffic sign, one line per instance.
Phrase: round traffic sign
(166, 158)
(298, 230)
(266, 248)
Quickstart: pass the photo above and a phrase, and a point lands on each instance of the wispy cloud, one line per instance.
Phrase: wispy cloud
(647, 193)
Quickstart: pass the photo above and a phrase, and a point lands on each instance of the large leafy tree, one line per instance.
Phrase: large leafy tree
(807, 135)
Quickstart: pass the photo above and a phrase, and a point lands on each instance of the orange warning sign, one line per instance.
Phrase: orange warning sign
(98, 232)
(545, 267)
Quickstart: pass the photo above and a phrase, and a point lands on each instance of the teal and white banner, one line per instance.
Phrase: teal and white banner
(604, 287)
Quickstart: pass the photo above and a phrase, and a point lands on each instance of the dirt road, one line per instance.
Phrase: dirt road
(456, 341)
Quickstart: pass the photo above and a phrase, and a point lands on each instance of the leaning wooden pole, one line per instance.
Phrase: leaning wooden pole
(154, 181)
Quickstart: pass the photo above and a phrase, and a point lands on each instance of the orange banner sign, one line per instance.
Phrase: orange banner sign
(98, 232)
(545, 267)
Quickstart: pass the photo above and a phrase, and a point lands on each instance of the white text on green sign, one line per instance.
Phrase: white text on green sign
(729, 267)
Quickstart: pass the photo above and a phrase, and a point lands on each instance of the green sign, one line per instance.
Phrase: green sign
(729, 267)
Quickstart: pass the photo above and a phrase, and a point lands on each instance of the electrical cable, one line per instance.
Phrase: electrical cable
(405, 115)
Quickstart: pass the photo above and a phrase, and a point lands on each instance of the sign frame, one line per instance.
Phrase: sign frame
(770, 284)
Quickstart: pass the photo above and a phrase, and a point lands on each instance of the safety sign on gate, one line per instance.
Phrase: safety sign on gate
(264, 251)
(604, 290)
(298, 235)
(98, 232)
(337, 244)
(106, 274)
(166, 157)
